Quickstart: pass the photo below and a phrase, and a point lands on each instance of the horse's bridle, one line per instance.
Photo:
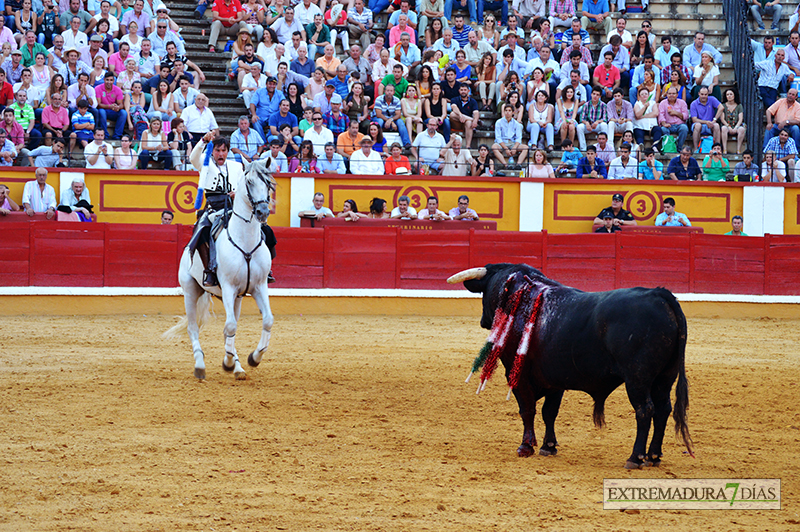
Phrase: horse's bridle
(254, 203)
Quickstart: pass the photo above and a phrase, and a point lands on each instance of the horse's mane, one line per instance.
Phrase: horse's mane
(260, 169)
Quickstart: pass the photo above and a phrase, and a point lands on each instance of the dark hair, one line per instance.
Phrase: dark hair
(748, 151)
(618, 91)
(608, 52)
(591, 148)
(572, 54)
(219, 142)
(734, 91)
(565, 143)
(168, 212)
(737, 217)
(669, 201)
(598, 90)
(625, 146)
(636, 51)
(353, 206)
(377, 206)
(648, 151)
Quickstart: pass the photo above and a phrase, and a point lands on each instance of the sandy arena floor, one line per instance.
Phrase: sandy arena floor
(360, 423)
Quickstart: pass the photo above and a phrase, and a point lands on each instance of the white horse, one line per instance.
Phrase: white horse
(244, 263)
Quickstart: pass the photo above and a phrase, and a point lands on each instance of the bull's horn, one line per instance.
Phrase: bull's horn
(466, 275)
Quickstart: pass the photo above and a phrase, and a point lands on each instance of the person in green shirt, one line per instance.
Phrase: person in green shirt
(305, 123)
(318, 36)
(715, 166)
(737, 222)
(395, 79)
(31, 48)
(24, 115)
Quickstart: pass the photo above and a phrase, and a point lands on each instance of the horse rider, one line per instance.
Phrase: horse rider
(218, 177)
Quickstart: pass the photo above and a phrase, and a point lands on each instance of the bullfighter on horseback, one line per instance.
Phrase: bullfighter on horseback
(218, 176)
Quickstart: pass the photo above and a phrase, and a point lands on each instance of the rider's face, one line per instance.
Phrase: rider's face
(220, 154)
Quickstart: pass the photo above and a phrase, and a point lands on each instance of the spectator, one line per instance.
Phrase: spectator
(138, 15)
(126, 77)
(591, 166)
(366, 161)
(703, 111)
(378, 140)
(318, 135)
(200, 119)
(6, 89)
(684, 167)
(574, 65)
(334, 119)
(762, 52)
(15, 132)
(331, 162)
(605, 149)
(328, 62)
(484, 165)
(691, 54)
(305, 162)
(47, 156)
(25, 117)
(356, 63)
(279, 161)
(341, 82)
(167, 217)
(678, 81)
(55, 119)
(550, 68)
(540, 121)
(246, 143)
(398, 29)
(784, 114)
(403, 211)
(608, 225)
(508, 137)
(624, 166)
(620, 114)
(113, 22)
(645, 114)
(13, 67)
(125, 157)
(463, 212)
(621, 58)
(651, 168)
(706, 74)
(671, 218)
(350, 211)
(745, 170)
(228, 17)
(30, 48)
(569, 157)
(465, 111)
(134, 107)
(626, 39)
(641, 47)
(6, 204)
(396, 79)
(596, 14)
(411, 107)
(715, 166)
(38, 196)
(387, 115)
(349, 141)
(319, 35)
(185, 95)
(74, 195)
(621, 216)
(377, 208)
(561, 13)
(568, 109)
(737, 223)
(432, 212)
(457, 161)
(99, 154)
(276, 121)
(318, 207)
(8, 152)
(427, 147)
(72, 70)
(773, 9)
(639, 78)
(672, 117)
(397, 163)
(322, 101)
(607, 76)
(773, 170)
(785, 151)
(111, 105)
(663, 56)
(731, 117)
(162, 104)
(359, 20)
(74, 37)
(336, 19)
(594, 118)
(517, 51)
(409, 55)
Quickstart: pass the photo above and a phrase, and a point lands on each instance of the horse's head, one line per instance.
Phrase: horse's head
(259, 186)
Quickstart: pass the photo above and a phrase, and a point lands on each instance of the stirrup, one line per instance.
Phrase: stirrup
(270, 278)
(210, 278)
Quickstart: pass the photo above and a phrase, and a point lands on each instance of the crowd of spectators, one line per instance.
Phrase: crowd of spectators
(416, 88)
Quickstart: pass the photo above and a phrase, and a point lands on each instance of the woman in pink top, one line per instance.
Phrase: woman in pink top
(304, 162)
(539, 166)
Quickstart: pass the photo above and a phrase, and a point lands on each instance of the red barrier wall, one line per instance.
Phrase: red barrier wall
(50, 253)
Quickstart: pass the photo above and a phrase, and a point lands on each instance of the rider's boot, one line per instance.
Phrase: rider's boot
(209, 276)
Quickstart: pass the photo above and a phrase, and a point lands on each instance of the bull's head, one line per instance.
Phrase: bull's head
(491, 280)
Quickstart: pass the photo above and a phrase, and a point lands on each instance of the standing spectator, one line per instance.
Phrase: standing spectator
(671, 218)
(457, 161)
(772, 8)
(596, 14)
(331, 162)
(199, 119)
(715, 166)
(684, 167)
(366, 161)
(38, 196)
(785, 151)
(359, 21)
(427, 147)
(508, 138)
(672, 117)
(228, 17)
(99, 154)
(703, 110)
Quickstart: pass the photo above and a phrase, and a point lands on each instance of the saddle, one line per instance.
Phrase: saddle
(219, 221)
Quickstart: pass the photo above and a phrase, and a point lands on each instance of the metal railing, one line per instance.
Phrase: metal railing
(746, 73)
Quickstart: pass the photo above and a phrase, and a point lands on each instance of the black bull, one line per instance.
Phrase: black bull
(592, 341)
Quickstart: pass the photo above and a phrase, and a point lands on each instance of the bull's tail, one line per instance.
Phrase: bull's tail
(599, 413)
(682, 389)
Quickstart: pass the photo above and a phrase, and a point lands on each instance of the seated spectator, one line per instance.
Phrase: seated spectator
(185, 95)
(24, 114)
(651, 168)
(341, 82)
(38, 196)
(684, 167)
(645, 118)
(562, 12)
(706, 74)
(462, 211)
(621, 58)
(318, 34)
(508, 138)
(328, 62)
(200, 119)
(403, 211)
(264, 104)
(773, 170)
(360, 21)
(569, 157)
(279, 161)
(366, 161)
(77, 192)
(663, 56)
(288, 144)
(331, 162)
(715, 166)
(605, 149)
(350, 211)
(608, 225)
(591, 166)
(620, 215)
(773, 9)
(8, 152)
(551, 71)
(318, 136)
(620, 114)
(55, 119)
(745, 170)
(397, 163)
(773, 71)
(539, 167)
(318, 207)
(737, 223)
(336, 19)
(387, 114)
(154, 145)
(129, 75)
(111, 105)
(671, 218)
(322, 101)
(125, 157)
(83, 126)
(484, 164)
(672, 117)
(377, 209)
(349, 141)
(594, 118)
(576, 45)
(411, 107)
(246, 143)
(457, 161)
(607, 76)
(408, 55)
(567, 116)
(7, 205)
(305, 161)
(47, 156)
(73, 36)
(785, 151)
(436, 107)
(134, 107)
(228, 19)
(784, 114)
(432, 212)
(246, 64)
(626, 39)
(283, 116)
(427, 147)
(638, 77)
(395, 79)
(335, 120)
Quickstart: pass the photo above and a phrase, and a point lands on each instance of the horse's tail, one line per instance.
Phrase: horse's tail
(203, 315)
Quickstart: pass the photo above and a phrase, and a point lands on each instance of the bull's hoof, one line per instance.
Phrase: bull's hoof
(652, 461)
(548, 449)
(252, 361)
(200, 373)
(630, 464)
(525, 450)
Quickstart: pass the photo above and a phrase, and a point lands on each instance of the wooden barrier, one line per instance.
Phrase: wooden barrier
(47, 253)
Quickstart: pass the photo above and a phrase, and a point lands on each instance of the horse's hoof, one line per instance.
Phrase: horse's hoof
(200, 373)
(630, 464)
(240, 375)
(226, 368)
(252, 361)
(524, 450)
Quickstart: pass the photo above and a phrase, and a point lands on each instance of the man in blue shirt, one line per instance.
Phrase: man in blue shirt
(596, 14)
(590, 166)
(684, 167)
(670, 218)
(264, 104)
(508, 138)
(331, 162)
(283, 116)
(651, 168)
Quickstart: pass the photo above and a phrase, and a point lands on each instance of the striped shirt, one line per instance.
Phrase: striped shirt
(78, 119)
(365, 17)
(781, 150)
(389, 109)
(594, 114)
(462, 37)
(666, 72)
(770, 76)
(561, 7)
(23, 115)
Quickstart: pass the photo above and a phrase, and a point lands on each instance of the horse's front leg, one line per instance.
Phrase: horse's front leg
(232, 308)
(262, 300)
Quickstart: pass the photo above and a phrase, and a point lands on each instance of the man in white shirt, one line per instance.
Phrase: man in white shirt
(319, 135)
(279, 161)
(199, 119)
(38, 196)
(625, 35)
(623, 167)
(99, 154)
(304, 12)
(403, 211)
(366, 161)
(113, 22)
(432, 212)
(318, 207)
(427, 147)
(74, 37)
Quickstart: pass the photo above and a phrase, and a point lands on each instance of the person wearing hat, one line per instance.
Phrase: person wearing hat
(73, 36)
(366, 161)
(322, 101)
(162, 13)
(88, 53)
(608, 225)
(13, 67)
(76, 192)
(265, 103)
(620, 216)
(73, 67)
(397, 163)
(335, 120)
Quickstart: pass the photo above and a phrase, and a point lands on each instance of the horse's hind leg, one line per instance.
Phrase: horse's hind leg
(262, 300)
(232, 308)
(191, 295)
